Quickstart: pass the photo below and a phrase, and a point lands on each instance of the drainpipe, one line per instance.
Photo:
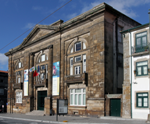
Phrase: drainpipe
(148, 118)
(131, 73)
(149, 52)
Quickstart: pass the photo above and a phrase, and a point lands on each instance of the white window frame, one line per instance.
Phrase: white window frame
(73, 93)
(19, 97)
(77, 57)
(84, 63)
(84, 46)
(18, 80)
(76, 44)
(43, 58)
(19, 65)
(78, 70)
(71, 51)
(71, 66)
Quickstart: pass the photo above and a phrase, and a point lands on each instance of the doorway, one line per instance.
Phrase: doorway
(115, 107)
(41, 96)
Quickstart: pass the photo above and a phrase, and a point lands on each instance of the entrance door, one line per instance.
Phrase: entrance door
(41, 96)
(115, 107)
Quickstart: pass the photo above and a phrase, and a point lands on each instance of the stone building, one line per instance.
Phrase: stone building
(136, 70)
(3, 90)
(79, 60)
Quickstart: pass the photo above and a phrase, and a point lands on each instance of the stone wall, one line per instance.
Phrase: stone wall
(126, 83)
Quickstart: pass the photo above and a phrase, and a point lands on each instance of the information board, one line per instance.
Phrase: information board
(62, 106)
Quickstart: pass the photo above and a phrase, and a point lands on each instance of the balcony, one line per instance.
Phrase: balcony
(41, 83)
(139, 49)
(80, 78)
(18, 85)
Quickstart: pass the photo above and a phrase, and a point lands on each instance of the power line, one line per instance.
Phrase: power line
(36, 24)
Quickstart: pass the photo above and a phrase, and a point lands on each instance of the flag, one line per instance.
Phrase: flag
(35, 73)
(32, 69)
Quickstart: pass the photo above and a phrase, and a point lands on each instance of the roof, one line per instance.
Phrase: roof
(3, 71)
(62, 26)
(135, 28)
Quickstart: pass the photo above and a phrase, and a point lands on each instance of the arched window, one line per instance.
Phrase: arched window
(42, 58)
(79, 45)
(78, 61)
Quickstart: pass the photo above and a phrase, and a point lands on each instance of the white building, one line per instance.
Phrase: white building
(136, 69)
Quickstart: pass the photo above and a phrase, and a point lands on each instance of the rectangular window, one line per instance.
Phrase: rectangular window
(78, 97)
(43, 58)
(18, 97)
(42, 66)
(142, 100)
(77, 69)
(71, 66)
(77, 46)
(120, 60)
(141, 41)
(18, 79)
(19, 64)
(77, 58)
(142, 68)
(84, 63)
(119, 34)
(1, 91)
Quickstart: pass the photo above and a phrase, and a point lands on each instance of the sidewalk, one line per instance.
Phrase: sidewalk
(72, 119)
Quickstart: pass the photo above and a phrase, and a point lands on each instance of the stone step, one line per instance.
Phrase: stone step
(36, 113)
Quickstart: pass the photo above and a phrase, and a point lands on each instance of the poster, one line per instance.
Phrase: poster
(26, 82)
(56, 75)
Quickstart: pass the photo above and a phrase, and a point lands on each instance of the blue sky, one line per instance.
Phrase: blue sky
(17, 16)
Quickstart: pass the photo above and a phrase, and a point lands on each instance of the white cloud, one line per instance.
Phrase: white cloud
(123, 6)
(71, 15)
(3, 59)
(36, 8)
(29, 25)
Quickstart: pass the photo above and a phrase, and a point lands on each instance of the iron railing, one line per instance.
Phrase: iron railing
(138, 49)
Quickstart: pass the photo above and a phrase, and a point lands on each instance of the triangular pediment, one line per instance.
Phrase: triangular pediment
(37, 33)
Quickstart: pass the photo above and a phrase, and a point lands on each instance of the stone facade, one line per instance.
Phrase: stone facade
(96, 30)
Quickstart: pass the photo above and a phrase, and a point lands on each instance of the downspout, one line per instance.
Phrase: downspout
(131, 73)
(116, 34)
(60, 70)
(10, 81)
(149, 52)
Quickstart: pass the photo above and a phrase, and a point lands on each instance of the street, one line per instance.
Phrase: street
(15, 121)
(26, 119)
